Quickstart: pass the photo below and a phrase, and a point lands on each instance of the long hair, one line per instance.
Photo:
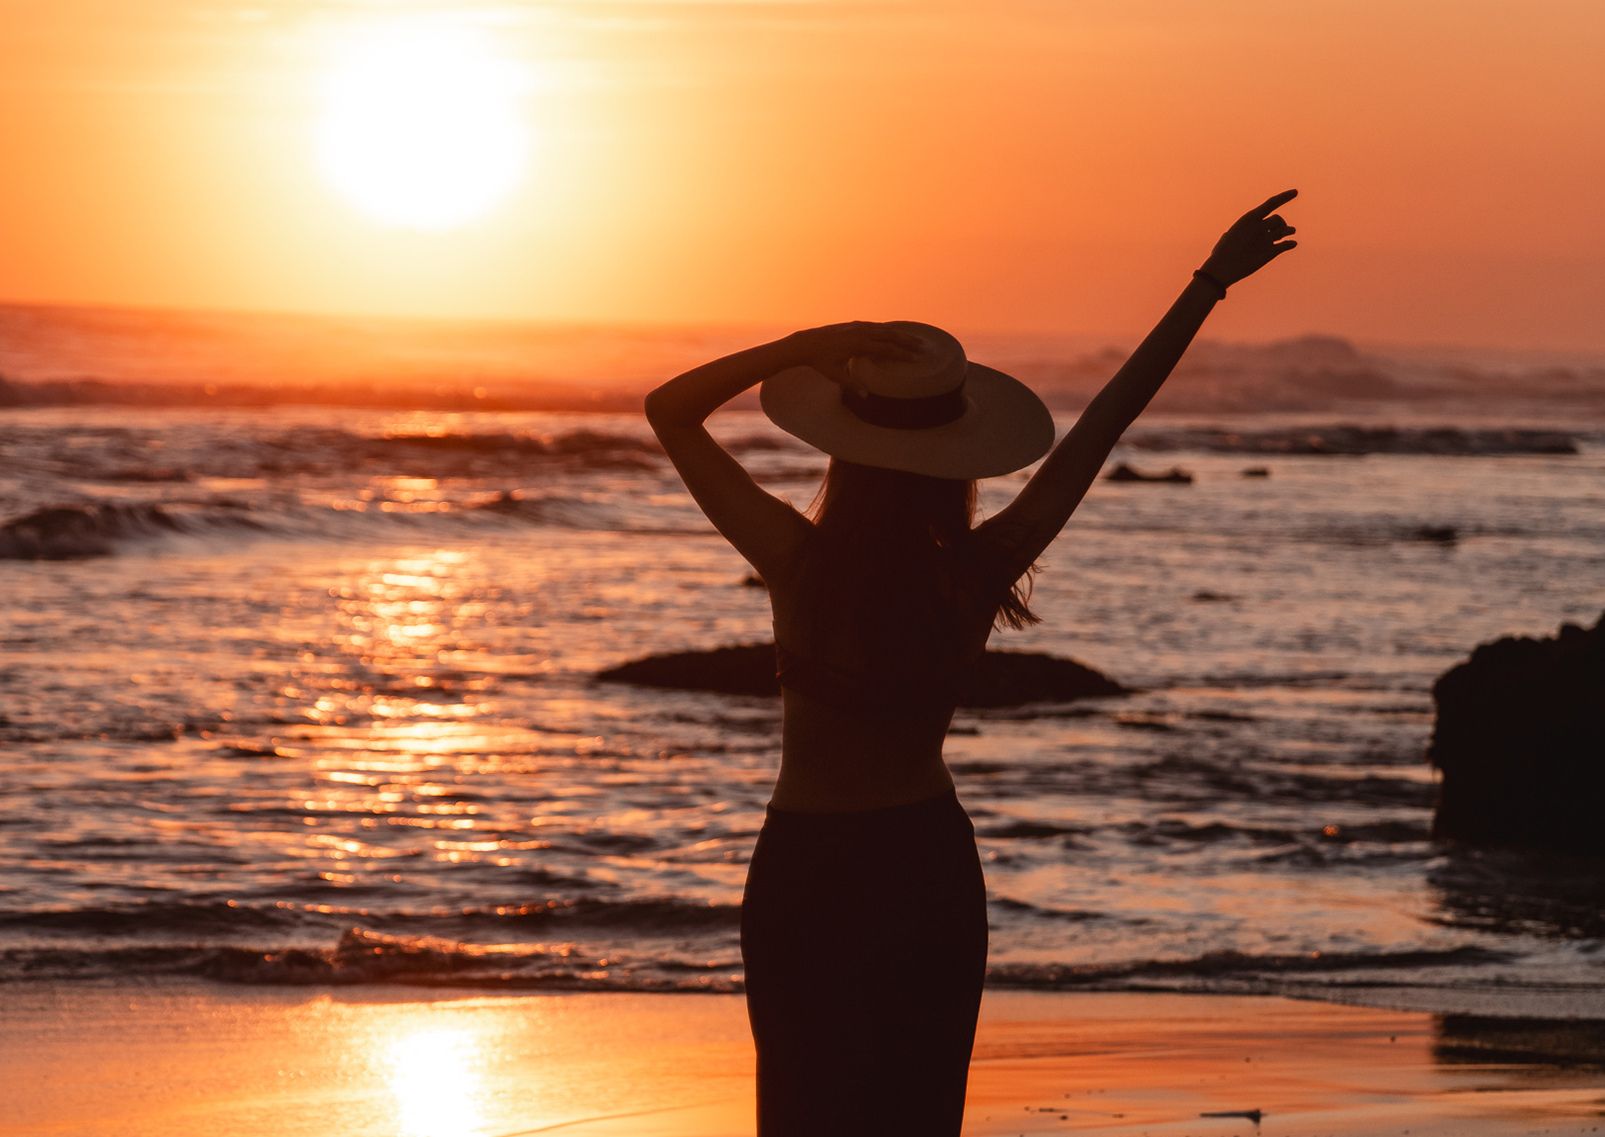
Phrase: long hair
(891, 548)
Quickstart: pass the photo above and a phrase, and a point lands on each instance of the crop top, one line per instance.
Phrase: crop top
(885, 693)
(917, 690)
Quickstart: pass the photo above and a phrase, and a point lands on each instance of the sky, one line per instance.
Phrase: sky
(1030, 165)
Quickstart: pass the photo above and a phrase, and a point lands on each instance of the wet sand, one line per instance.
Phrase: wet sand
(196, 1058)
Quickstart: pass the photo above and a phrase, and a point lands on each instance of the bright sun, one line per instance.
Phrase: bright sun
(420, 125)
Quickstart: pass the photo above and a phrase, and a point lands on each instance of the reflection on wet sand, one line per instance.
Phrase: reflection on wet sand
(192, 1058)
(1485, 1040)
(435, 1080)
(1522, 893)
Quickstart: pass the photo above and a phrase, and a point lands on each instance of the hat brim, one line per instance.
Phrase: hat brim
(1004, 427)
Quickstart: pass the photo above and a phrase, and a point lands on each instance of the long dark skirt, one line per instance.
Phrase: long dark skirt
(864, 937)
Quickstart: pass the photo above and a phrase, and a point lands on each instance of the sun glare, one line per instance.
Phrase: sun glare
(434, 1073)
(421, 125)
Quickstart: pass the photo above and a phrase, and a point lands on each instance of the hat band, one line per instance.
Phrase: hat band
(906, 414)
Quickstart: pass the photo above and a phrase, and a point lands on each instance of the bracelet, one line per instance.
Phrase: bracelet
(1210, 278)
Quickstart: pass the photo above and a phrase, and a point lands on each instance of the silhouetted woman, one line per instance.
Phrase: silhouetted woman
(863, 926)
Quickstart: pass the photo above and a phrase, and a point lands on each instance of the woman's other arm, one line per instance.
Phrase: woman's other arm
(687, 400)
(765, 530)
(1037, 514)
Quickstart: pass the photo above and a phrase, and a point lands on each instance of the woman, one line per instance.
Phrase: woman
(864, 927)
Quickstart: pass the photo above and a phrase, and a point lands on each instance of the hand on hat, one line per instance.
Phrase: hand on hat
(828, 349)
(1254, 240)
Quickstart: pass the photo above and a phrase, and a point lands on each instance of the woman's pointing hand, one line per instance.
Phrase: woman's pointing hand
(1254, 240)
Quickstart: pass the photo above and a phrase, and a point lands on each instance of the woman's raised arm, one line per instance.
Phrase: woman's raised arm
(1037, 514)
(764, 529)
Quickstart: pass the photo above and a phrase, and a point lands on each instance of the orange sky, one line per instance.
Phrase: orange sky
(1012, 164)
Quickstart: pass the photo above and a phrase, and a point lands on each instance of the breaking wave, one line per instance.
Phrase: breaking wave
(1351, 440)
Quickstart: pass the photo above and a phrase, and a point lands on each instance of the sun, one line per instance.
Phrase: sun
(420, 126)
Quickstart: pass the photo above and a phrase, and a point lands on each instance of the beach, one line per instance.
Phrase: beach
(193, 1058)
(391, 703)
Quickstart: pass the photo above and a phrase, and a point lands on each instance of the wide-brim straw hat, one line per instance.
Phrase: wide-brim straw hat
(937, 414)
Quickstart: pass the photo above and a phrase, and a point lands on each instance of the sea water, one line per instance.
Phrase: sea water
(304, 694)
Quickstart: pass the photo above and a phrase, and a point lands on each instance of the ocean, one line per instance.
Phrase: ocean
(298, 672)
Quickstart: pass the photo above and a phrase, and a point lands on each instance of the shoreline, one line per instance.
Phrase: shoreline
(189, 1056)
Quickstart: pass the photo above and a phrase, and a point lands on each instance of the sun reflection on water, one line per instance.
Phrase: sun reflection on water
(434, 1075)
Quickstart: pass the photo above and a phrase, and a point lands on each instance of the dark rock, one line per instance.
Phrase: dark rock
(1520, 738)
(1002, 679)
(1205, 596)
(1257, 472)
(741, 669)
(1013, 678)
(1125, 473)
(1439, 534)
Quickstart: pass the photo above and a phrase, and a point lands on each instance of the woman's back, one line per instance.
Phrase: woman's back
(871, 668)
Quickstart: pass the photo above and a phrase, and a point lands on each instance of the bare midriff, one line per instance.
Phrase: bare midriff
(833, 760)
(837, 758)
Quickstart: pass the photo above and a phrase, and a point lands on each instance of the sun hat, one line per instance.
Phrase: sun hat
(936, 414)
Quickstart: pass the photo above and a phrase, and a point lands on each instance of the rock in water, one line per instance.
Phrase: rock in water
(1002, 679)
(1124, 473)
(742, 669)
(1520, 738)
(1014, 678)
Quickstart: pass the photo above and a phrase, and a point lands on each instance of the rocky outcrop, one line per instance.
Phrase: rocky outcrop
(1002, 679)
(742, 669)
(1124, 473)
(1520, 738)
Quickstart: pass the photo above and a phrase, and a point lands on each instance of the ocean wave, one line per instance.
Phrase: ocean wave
(334, 451)
(177, 918)
(90, 529)
(1187, 777)
(1016, 907)
(1210, 967)
(642, 916)
(1352, 440)
(143, 453)
(1070, 834)
(72, 532)
(556, 509)
(361, 957)
(454, 454)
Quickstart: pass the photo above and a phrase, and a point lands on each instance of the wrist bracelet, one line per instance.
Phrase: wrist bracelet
(1210, 278)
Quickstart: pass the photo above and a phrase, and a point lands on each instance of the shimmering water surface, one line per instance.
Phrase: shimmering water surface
(322, 708)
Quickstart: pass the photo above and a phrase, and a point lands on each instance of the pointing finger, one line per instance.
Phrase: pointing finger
(1270, 204)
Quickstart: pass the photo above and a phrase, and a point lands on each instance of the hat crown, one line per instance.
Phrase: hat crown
(939, 368)
(895, 414)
